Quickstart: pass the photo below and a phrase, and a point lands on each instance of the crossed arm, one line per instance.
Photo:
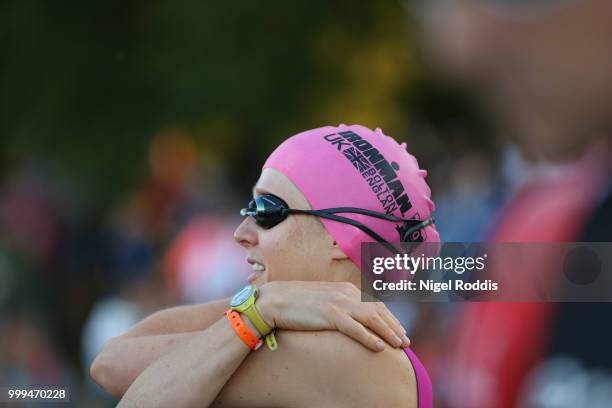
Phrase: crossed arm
(124, 358)
(197, 358)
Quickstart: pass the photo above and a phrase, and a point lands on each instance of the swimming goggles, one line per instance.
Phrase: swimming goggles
(269, 210)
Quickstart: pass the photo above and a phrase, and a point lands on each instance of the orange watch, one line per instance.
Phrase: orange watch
(242, 330)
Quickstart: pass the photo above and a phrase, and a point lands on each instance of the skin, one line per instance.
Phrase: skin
(309, 290)
(547, 76)
(288, 251)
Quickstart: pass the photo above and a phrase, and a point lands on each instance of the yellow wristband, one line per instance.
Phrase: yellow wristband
(244, 302)
(262, 327)
(260, 324)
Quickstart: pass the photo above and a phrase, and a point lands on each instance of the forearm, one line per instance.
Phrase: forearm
(123, 358)
(190, 375)
(180, 319)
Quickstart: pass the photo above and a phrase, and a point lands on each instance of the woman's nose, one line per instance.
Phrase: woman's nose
(246, 233)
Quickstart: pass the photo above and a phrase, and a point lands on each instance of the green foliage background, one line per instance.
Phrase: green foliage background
(86, 85)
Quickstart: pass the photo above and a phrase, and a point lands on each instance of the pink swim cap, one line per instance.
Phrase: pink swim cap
(353, 166)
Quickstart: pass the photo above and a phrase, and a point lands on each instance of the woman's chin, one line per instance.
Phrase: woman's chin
(258, 278)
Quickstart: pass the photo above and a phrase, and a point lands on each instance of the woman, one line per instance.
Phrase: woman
(306, 264)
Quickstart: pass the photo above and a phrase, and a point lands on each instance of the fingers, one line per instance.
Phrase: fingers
(327, 305)
(355, 330)
(368, 314)
(395, 324)
(391, 321)
(372, 315)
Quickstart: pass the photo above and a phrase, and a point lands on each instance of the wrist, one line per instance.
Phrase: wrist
(267, 303)
(250, 325)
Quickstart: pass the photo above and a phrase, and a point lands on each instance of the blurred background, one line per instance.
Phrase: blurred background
(131, 134)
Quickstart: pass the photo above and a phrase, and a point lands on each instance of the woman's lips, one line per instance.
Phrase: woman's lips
(258, 269)
(255, 275)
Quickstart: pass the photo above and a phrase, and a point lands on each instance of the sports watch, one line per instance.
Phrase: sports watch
(244, 302)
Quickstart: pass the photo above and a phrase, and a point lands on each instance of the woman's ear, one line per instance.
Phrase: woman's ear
(337, 253)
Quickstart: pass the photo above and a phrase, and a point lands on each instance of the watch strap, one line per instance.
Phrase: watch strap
(242, 330)
(260, 324)
(271, 341)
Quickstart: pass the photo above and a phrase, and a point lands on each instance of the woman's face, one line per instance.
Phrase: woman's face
(299, 248)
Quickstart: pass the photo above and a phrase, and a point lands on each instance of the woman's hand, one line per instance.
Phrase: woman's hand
(311, 306)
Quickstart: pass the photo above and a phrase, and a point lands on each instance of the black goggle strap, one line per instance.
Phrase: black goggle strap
(387, 217)
(329, 213)
(349, 221)
(258, 207)
(276, 203)
(363, 211)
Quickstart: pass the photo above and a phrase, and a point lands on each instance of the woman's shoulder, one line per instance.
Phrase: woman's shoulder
(385, 378)
(324, 368)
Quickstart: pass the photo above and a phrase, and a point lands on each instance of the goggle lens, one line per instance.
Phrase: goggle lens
(267, 210)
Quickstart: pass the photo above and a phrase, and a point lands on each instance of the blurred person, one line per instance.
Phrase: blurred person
(114, 314)
(306, 263)
(141, 222)
(47, 252)
(29, 355)
(469, 180)
(543, 65)
(544, 69)
(135, 283)
(203, 262)
(29, 215)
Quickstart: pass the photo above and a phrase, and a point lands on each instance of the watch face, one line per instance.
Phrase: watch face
(241, 297)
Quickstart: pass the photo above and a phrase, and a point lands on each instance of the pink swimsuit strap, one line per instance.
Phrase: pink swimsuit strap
(424, 389)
